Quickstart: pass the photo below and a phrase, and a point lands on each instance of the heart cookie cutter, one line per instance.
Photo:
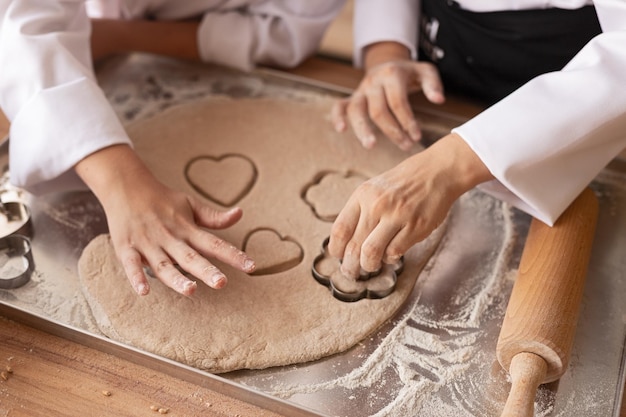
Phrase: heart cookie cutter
(370, 285)
(16, 261)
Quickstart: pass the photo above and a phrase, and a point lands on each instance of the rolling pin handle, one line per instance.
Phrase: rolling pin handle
(527, 371)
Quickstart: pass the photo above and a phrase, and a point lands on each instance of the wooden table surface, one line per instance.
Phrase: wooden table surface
(45, 375)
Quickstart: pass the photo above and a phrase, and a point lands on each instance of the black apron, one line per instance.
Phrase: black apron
(489, 55)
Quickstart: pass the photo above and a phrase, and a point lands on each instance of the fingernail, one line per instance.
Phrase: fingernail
(249, 265)
(368, 141)
(218, 280)
(434, 96)
(392, 259)
(415, 133)
(363, 274)
(406, 145)
(189, 287)
(142, 289)
(348, 273)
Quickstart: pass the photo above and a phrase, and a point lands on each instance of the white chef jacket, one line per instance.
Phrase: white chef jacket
(547, 140)
(48, 90)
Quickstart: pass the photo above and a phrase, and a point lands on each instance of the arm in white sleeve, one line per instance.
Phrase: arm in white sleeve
(548, 140)
(279, 33)
(380, 20)
(58, 113)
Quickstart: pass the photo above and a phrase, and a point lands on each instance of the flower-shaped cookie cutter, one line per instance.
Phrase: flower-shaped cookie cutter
(372, 285)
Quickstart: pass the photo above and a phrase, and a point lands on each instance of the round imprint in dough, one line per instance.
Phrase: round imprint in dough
(284, 316)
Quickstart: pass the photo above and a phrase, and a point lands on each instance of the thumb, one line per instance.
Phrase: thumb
(431, 83)
(211, 218)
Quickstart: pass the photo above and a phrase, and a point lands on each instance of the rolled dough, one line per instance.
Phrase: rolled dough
(283, 315)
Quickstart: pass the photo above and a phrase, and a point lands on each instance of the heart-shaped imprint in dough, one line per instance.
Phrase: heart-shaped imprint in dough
(224, 179)
(272, 252)
(330, 192)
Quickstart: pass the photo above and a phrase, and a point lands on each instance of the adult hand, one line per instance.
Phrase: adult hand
(153, 225)
(389, 213)
(382, 100)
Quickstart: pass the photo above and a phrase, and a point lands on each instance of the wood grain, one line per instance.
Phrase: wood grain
(50, 376)
(527, 371)
(538, 330)
(542, 312)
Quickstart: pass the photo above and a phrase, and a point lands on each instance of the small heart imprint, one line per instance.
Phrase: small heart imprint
(224, 179)
(272, 252)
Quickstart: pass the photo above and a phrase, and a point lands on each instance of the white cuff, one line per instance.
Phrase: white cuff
(399, 24)
(224, 40)
(55, 130)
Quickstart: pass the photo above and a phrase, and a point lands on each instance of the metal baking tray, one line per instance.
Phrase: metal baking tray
(436, 357)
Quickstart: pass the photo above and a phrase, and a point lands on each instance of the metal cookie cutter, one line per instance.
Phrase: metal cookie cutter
(372, 285)
(14, 219)
(16, 261)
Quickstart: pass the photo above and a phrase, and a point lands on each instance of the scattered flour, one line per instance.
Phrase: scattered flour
(426, 352)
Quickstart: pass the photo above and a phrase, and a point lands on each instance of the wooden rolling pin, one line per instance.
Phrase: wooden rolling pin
(538, 329)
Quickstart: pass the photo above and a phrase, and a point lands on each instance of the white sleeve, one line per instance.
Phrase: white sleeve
(280, 33)
(385, 20)
(548, 140)
(48, 91)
